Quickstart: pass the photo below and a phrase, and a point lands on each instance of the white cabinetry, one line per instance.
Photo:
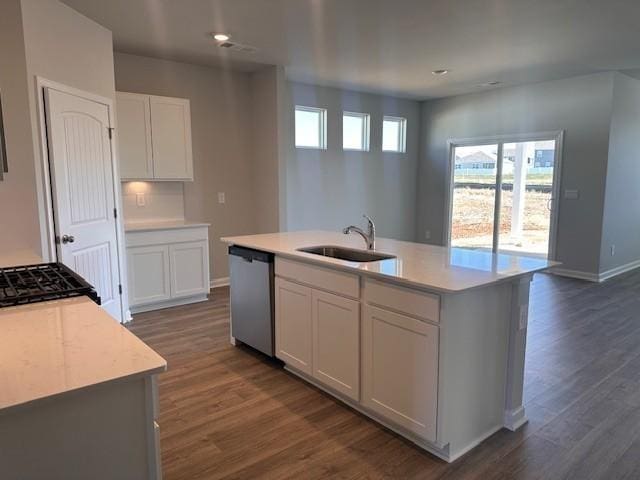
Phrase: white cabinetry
(378, 349)
(400, 370)
(317, 332)
(148, 274)
(189, 270)
(336, 342)
(154, 137)
(293, 325)
(167, 267)
(134, 135)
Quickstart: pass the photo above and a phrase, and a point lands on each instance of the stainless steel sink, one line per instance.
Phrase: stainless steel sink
(348, 254)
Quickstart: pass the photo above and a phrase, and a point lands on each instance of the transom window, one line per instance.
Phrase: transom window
(311, 127)
(355, 131)
(394, 134)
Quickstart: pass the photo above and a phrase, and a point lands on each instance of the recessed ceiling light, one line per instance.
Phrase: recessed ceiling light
(221, 37)
(489, 84)
(440, 72)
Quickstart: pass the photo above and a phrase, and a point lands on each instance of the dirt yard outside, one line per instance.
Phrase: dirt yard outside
(473, 220)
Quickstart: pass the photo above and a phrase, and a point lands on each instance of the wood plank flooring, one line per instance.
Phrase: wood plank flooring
(228, 412)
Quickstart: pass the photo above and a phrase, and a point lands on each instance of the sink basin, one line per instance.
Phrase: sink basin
(348, 254)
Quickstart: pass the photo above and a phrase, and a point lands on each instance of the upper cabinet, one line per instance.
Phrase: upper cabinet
(154, 135)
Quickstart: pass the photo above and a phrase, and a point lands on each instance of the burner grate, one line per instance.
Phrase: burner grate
(39, 283)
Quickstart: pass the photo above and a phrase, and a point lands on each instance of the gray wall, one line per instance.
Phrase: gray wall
(19, 230)
(221, 126)
(621, 222)
(265, 149)
(581, 106)
(329, 189)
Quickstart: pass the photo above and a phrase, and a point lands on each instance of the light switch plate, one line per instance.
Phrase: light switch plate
(571, 194)
(221, 197)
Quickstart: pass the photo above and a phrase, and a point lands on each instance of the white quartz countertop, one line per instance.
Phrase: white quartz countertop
(161, 225)
(52, 348)
(442, 269)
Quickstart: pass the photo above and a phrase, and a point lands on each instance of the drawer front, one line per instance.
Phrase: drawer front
(401, 299)
(327, 279)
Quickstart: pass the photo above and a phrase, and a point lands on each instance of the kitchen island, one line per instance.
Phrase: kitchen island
(78, 395)
(430, 343)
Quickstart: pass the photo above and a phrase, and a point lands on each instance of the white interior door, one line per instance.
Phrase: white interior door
(81, 164)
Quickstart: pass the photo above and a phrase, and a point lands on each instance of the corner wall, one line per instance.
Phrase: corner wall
(330, 189)
(581, 106)
(19, 228)
(621, 219)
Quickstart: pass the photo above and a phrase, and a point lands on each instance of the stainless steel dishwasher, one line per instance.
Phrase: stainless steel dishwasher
(252, 298)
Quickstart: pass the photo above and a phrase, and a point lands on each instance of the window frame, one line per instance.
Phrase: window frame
(402, 132)
(322, 127)
(365, 134)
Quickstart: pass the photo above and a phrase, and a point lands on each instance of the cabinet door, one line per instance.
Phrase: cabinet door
(171, 138)
(336, 342)
(134, 136)
(189, 268)
(148, 274)
(293, 325)
(400, 370)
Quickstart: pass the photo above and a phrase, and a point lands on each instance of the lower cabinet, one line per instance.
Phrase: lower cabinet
(318, 333)
(293, 325)
(148, 274)
(383, 360)
(189, 273)
(400, 370)
(336, 342)
(167, 267)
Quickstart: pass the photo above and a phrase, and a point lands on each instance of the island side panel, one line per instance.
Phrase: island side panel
(99, 432)
(474, 340)
(514, 414)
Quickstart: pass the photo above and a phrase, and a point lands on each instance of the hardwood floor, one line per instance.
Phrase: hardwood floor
(228, 412)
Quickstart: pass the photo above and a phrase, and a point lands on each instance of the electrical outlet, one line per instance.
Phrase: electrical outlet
(427, 234)
(140, 200)
(221, 197)
(613, 250)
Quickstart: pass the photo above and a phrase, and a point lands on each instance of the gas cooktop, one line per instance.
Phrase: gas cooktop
(42, 282)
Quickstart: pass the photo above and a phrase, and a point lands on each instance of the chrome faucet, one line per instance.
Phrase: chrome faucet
(369, 236)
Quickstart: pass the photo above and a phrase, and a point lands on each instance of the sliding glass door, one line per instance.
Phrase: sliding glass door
(502, 196)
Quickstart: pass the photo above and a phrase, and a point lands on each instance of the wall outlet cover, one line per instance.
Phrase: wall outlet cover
(140, 199)
(221, 197)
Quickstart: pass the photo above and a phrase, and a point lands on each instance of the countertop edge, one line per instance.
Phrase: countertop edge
(156, 227)
(16, 407)
(399, 280)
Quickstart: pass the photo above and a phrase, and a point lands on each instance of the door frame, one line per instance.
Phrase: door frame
(557, 135)
(43, 183)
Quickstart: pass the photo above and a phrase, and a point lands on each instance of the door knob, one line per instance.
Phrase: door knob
(68, 239)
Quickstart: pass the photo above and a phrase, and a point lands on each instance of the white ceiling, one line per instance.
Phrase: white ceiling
(386, 46)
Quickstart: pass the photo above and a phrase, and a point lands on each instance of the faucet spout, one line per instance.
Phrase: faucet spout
(369, 236)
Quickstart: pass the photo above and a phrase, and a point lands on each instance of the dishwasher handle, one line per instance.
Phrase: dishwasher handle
(250, 255)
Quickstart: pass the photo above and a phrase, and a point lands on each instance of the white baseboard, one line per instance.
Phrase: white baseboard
(514, 419)
(219, 282)
(563, 272)
(176, 302)
(597, 277)
(614, 272)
